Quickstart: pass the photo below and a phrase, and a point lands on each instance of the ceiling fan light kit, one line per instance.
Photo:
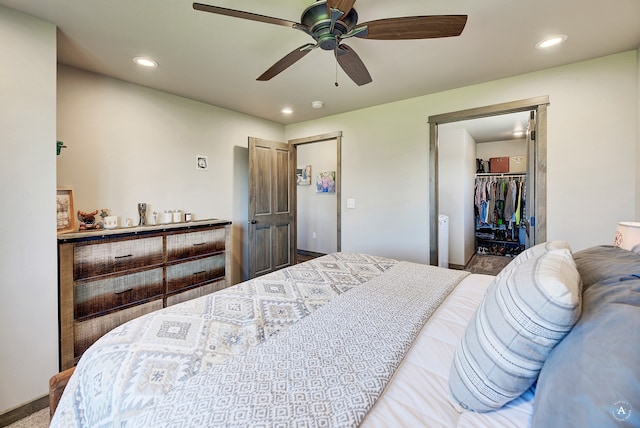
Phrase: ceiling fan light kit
(329, 22)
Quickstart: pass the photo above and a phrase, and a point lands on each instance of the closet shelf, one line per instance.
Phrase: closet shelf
(497, 241)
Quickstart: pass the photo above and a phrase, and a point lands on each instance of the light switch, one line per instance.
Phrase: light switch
(351, 203)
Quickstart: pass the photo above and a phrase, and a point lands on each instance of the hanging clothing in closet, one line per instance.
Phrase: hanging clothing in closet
(500, 208)
(500, 200)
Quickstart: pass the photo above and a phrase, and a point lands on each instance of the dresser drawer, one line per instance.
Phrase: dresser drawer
(94, 297)
(191, 244)
(194, 293)
(106, 279)
(110, 257)
(186, 274)
(87, 332)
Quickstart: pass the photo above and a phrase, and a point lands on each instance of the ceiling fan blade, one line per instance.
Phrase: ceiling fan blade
(244, 15)
(351, 63)
(286, 62)
(343, 6)
(414, 27)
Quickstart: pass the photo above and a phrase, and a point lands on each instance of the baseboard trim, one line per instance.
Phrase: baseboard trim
(456, 267)
(23, 411)
(310, 253)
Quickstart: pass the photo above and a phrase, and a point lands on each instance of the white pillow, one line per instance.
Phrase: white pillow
(527, 310)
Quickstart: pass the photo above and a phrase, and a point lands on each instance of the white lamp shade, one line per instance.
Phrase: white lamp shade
(628, 235)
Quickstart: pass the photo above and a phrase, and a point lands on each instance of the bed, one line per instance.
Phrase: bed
(352, 339)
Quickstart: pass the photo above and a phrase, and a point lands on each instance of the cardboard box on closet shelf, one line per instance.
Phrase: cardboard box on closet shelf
(518, 164)
(499, 164)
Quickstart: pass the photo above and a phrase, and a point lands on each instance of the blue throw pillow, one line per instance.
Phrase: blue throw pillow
(605, 263)
(592, 377)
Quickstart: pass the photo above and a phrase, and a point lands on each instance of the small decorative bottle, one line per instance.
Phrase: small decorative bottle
(142, 213)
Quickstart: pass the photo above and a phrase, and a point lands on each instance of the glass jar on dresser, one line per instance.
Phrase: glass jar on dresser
(108, 277)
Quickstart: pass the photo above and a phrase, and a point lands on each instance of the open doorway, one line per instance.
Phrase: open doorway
(317, 195)
(535, 174)
(482, 191)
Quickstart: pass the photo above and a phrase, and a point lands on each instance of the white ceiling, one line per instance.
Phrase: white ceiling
(216, 59)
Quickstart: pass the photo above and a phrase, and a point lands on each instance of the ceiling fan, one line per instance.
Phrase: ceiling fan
(328, 22)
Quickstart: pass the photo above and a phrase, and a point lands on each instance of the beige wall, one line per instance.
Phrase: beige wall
(28, 280)
(493, 149)
(129, 144)
(317, 212)
(456, 169)
(592, 141)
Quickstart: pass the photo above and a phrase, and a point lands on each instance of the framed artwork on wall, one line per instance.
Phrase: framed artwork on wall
(202, 162)
(303, 174)
(326, 182)
(65, 218)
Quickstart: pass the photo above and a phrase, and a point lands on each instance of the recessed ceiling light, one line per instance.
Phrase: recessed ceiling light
(551, 41)
(145, 61)
(286, 110)
(317, 104)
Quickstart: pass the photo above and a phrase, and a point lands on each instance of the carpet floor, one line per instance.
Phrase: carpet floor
(486, 264)
(39, 419)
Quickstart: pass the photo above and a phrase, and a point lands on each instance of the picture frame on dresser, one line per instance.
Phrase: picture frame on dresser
(65, 218)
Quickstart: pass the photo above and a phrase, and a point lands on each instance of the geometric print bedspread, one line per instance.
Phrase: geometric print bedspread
(327, 370)
(140, 361)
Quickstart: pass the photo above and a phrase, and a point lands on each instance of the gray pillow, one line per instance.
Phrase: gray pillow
(525, 313)
(605, 263)
(592, 377)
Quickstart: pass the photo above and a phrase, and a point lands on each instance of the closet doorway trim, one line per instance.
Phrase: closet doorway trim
(537, 164)
(317, 139)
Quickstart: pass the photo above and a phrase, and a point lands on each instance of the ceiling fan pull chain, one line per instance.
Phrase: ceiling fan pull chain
(336, 56)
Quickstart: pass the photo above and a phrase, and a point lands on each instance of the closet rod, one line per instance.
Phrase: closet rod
(500, 174)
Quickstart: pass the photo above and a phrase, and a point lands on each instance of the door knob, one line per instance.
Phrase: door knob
(253, 222)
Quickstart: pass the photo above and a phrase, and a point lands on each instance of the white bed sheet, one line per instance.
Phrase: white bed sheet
(418, 393)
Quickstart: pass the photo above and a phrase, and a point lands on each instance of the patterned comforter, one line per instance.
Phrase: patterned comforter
(167, 364)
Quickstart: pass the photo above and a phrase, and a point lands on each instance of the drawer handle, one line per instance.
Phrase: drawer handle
(123, 291)
(198, 273)
(198, 244)
(123, 257)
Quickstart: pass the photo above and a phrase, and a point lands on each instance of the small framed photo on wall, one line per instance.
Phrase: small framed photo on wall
(303, 174)
(202, 163)
(325, 182)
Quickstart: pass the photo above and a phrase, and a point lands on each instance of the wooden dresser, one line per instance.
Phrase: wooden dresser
(108, 277)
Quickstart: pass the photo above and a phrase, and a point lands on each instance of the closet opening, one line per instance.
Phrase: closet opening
(501, 225)
(494, 182)
(317, 195)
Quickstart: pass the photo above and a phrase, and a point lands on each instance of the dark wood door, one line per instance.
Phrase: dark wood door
(271, 206)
